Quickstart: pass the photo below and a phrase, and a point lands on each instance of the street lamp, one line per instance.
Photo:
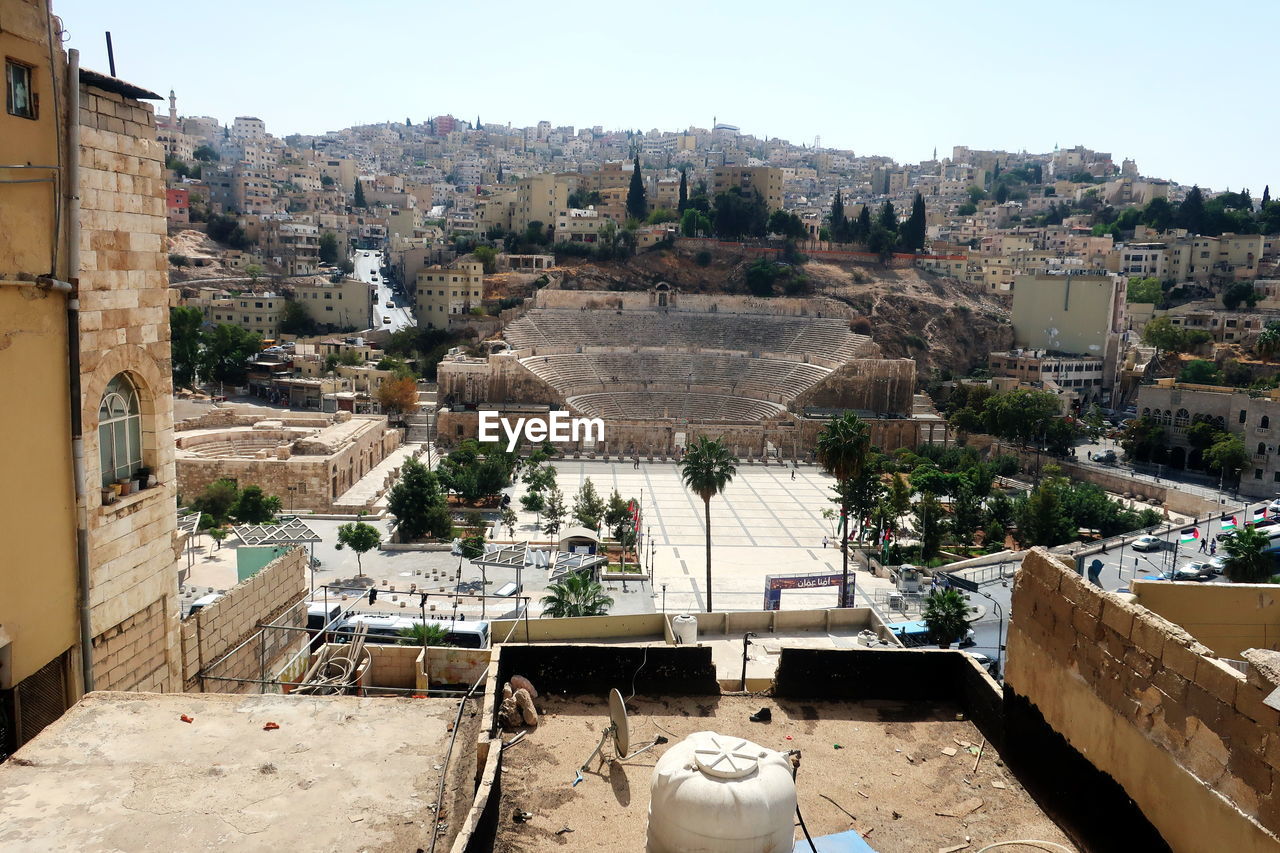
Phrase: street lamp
(999, 629)
(664, 598)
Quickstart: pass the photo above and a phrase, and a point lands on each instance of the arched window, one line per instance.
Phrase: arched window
(1265, 422)
(1146, 412)
(119, 430)
(1182, 418)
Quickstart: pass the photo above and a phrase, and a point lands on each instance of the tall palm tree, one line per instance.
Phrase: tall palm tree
(946, 614)
(577, 595)
(843, 446)
(707, 467)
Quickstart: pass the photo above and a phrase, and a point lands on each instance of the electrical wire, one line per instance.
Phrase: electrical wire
(643, 661)
(805, 829)
(1026, 842)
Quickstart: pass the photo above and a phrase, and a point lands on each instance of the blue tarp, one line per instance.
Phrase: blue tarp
(841, 842)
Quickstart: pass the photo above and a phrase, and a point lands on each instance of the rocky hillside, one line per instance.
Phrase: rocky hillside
(943, 323)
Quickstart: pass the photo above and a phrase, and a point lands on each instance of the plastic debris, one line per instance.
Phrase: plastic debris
(187, 719)
(270, 727)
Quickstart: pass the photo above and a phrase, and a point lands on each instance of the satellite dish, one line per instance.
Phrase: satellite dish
(618, 722)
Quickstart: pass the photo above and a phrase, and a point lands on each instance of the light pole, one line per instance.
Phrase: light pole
(664, 598)
(999, 630)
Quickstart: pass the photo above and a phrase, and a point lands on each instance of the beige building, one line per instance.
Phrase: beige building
(1077, 379)
(765, 180)
(293, 246)
(538, 197)
(88, 592)
(1078, 314)
(444, 292)
(345, 304)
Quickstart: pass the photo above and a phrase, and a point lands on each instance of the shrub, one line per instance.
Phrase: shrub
(703, 258)
(860, 326)
(914, 341)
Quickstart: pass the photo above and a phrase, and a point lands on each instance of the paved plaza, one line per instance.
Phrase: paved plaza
(764, 523)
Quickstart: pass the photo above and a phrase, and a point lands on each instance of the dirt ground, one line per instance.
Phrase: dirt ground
(888, 770)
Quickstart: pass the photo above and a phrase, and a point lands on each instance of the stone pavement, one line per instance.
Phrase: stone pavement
(764, 523)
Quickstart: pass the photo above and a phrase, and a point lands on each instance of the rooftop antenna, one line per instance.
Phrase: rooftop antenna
(111, 55)
(620, 729)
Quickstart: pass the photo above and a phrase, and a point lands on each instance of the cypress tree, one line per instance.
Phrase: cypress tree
(684, 192)
(888, 217)
(1191, 211)
(913, 232)
(839, 223)
(1266, 195)
(359, 194)
(862, 227)
(637, 206)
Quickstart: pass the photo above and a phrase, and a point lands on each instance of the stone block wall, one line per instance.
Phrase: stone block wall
(268, 596)
(870, 384)
(124, 328)
(1187, 735)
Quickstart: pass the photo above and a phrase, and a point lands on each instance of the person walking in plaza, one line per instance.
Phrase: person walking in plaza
(1213, 547)
(824, 542)
(1204, 545)
(793, 473)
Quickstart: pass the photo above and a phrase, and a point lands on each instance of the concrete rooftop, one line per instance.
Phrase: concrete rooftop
(123, 772)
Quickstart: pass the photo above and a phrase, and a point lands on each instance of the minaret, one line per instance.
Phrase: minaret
(173, 108)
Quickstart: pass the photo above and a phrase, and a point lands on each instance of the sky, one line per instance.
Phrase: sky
(1174, 85)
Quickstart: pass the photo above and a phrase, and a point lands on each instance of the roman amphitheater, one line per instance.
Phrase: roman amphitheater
(661, 368)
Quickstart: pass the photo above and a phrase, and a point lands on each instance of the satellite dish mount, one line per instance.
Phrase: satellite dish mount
(620, 730)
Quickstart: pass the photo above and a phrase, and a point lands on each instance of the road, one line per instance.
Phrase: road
(368, 265)
(1121, 564)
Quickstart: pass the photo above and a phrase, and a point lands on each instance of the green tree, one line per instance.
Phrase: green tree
(1247, 560)
(1267, 345)
(254, 507)
(329, 253)
(553, 512)
(888, 218)
(637, 205)
(684, 193)
(488, 257)
(227, 350)
(216, 500)
(617, 515)
(842, 450)
(218, 534)
(861, 230)
(359, 537)
(946, 614)
(914, 229)
(206, 154)
(184, 336)
(929, 524)
(1228, 456)
(739, 214)
(1191, 212)
(575, 595)
(1022, 414)
(1162, 334)
(1200, 372)
(359, 200)
(588, 507)
(695, 223)
(1144, 290)
(296, 319)
(418, 504)
(254, 271)
(1141, 437)
(706, 468)
(966, 512)
(1240, 292)
(839, 221)
(1042, 518)
(1158, 214)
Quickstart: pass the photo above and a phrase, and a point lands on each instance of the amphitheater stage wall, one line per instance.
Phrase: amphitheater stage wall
(792, 436)
(867, 384)
(500, 379)
(809, 306)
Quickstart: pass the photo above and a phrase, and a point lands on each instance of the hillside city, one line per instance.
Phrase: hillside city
(399, 455)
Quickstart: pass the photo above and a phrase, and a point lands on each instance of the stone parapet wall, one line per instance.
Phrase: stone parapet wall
(225, 625)
(1187, 735)
(135, 655)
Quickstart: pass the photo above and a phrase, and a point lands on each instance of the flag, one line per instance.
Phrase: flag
(1259, 515)
(1189, 534)
(1229, 523)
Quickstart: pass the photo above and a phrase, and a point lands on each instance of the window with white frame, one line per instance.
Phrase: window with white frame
(119, 430)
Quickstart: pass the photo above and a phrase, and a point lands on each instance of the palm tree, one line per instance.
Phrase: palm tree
(947, 615)
(1268, 343)
(842, 450)
(707, 467)
(424, 634)
(577, 595)
(1247, 560)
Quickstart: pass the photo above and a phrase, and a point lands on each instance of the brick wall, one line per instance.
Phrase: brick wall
(124, 328)
(133, 655)
(225, 626)
(1185, 734)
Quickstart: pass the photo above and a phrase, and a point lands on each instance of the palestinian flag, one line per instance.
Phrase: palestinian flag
(1189, 534)
(1228, 523)
(1259, 515)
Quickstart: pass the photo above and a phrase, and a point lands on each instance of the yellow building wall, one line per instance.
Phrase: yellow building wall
(38, 570)
(1227, 618)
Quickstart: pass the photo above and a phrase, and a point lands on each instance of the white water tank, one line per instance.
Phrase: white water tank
(685, 627)
(714, 793)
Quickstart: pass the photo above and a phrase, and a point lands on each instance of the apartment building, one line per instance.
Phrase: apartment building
(345, 305)
(1081, 379)
(293, 246)
(248, 129)
(1075, 313)
(178, 205)
(765, 180)
(445, 292)
(88, 590)
(579, 226)
(538, 197)
(260, 313)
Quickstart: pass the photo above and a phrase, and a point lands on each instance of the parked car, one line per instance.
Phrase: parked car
(1218, 564)
(1106, 457)
(391, 304)
(1273, 507)
(1148, 543)
(386, 319)
(1198, 570)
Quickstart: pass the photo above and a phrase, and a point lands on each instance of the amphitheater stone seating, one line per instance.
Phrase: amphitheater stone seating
(693, 366)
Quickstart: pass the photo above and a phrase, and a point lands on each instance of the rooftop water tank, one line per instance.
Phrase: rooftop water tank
(714, 792)
(685, 627)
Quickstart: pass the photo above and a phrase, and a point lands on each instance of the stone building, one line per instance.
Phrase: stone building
(88, 593)
(308, 460)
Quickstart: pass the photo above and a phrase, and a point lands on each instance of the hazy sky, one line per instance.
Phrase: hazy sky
(1184, 88)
